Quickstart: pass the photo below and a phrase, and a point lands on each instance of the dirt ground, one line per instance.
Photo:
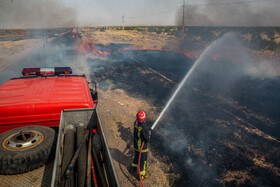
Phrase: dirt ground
(12, 50)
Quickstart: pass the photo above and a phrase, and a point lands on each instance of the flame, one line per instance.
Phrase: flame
(88, 47)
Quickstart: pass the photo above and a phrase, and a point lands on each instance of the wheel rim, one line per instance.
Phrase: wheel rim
(22, 140)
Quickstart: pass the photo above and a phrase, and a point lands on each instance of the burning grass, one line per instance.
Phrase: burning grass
(91, 48)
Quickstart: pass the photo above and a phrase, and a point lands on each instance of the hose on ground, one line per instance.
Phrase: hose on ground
(139, 164)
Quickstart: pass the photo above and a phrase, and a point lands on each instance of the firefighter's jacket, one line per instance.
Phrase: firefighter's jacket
(141, 134)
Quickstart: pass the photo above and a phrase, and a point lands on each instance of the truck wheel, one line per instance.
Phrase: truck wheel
(26, 148)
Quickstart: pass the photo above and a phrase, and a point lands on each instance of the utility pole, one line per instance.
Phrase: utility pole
(44, 48)
(123, 22)
(183, 18)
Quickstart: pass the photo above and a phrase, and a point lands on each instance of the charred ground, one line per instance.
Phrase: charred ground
(216, 133)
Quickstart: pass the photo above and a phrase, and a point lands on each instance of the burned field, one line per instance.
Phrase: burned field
(225, 134)
(223, 126)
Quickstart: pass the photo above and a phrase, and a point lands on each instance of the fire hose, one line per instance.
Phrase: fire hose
(93, 173)
(71, 165)
(139, 164)
(140, 159)
(89, 168)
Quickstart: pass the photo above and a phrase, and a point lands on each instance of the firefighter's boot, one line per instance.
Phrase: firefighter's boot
(132, 169)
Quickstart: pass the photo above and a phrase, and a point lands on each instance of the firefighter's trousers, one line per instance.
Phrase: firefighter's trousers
(143, 162)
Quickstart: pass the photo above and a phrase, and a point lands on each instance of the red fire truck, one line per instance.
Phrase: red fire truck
(75, 33)
(49, 116)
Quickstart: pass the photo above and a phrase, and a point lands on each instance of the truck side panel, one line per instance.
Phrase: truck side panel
(77, 117)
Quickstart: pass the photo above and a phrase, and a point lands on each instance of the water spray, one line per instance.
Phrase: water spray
(197, 62)
(176, 92)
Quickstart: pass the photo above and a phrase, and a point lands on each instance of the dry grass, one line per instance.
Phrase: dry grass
(137, 38)
(259, 160)
(277, 38)
(265, 37)
(238, 176)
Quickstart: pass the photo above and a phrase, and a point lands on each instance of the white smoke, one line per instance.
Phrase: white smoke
(263, 70)
(231, 13)
(36, 14)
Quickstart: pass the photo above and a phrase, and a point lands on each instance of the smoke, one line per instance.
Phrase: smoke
(51, 13)
(262, 70)
(50, 54)
(231, 13)
(36, 14)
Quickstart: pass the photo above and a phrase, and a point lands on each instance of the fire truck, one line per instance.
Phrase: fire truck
(75, 33)
(49, 117)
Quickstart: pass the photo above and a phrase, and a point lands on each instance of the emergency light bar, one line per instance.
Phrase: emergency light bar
(46, 71)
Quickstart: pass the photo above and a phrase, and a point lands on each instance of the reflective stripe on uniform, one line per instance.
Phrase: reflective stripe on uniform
(139, 139)
(144, 169)
(143, 150)
(134, 165)
(136, 126)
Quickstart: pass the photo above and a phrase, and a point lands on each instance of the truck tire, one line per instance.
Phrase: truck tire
(26, 148)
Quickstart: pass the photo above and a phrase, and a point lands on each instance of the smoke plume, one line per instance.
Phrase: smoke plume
(50, 54)
(36, 14)
(231, 13)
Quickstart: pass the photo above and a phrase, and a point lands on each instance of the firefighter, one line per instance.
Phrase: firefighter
(141, 134)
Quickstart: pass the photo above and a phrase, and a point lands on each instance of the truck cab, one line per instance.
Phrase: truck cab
(39, 100)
